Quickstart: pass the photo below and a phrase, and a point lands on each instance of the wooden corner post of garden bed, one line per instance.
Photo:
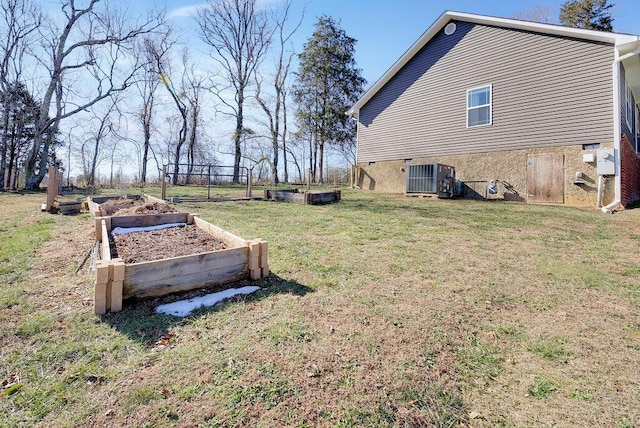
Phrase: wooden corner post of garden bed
(109, 286)
(258, 259)
(108, 290)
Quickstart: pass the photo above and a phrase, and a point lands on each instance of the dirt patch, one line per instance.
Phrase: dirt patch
(127, 206)
(163, 244)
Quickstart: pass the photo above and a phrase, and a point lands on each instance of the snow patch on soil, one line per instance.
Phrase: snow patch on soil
(125, 230)
(183, 308)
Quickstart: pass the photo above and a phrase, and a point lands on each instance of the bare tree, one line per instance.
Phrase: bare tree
(297, 150)
(275, 109)
(193, 87)
(239, 36)
(154, 49)
(18, 23)
(104, 129)
(157, 53)
(543, 13)
(91, 46)
(116, 151)
(182, 135)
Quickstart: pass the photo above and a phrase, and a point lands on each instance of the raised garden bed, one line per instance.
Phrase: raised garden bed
(127, 205)
(305, 197)
(180, 199)
(68, 206)
(137, 247)
(232, 259)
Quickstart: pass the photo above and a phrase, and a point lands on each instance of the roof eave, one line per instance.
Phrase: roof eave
(631, 65)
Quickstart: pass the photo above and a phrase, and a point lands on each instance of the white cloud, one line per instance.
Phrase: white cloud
(186, 11)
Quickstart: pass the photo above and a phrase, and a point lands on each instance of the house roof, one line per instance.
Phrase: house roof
(624, 44)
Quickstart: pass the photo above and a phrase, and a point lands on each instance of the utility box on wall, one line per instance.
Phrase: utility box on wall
(606, 161)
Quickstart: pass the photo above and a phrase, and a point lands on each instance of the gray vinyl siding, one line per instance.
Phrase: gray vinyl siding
(547, 91)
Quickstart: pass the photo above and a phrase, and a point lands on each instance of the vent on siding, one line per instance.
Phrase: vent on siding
(421, 178)
(450, 28)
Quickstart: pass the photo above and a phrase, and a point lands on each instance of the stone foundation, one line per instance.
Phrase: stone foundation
(508, 169)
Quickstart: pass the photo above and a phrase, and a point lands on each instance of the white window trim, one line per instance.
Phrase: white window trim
(490, 86)
(637, 133)
(628, 106)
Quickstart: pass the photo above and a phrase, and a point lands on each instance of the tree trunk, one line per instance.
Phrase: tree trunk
(274, 165)
(34, 177)
(311, 154)
(191, 154)
(111, 169)
(182, 137)
(238, 143)
(94, 162)
(4, 145)
(45, 129)
(145, 152)
(9, 171)
(176, 166)
(284, 161)
(284, 138)
(321, 162)
(145, 156)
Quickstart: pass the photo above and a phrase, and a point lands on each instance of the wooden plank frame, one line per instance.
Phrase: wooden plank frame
(95, 203)
(306, 197)
(117, 281)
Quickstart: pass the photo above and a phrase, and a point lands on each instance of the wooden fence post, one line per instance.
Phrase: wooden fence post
(52, 188)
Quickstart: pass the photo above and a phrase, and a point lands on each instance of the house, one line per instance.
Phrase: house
(506, 109)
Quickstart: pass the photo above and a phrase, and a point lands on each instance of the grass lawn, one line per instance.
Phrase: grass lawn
(381, 311)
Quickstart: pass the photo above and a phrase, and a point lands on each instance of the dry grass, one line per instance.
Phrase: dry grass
(381, 311)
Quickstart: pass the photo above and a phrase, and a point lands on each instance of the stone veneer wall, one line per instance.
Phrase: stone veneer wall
(507, 168)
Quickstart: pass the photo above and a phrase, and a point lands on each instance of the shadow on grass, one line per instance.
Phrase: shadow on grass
(139, 321)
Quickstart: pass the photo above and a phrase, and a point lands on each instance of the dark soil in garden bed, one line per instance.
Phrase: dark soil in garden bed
(163, 244)
(126, 206)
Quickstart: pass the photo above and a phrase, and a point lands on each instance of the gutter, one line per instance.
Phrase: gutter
(617, 131)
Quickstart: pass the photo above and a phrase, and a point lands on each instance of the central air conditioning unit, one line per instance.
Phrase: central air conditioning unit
(433, 178)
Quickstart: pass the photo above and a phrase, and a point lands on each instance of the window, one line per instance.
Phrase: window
(637, 130)
(479, 106)
(629, 105)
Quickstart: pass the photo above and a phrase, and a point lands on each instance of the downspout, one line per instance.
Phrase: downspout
(354, 115)
(617, 119)
(601, 182)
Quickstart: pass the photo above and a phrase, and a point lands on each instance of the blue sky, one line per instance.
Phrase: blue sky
(386, 29)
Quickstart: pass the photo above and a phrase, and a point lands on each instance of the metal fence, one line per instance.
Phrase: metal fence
(204, 181)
